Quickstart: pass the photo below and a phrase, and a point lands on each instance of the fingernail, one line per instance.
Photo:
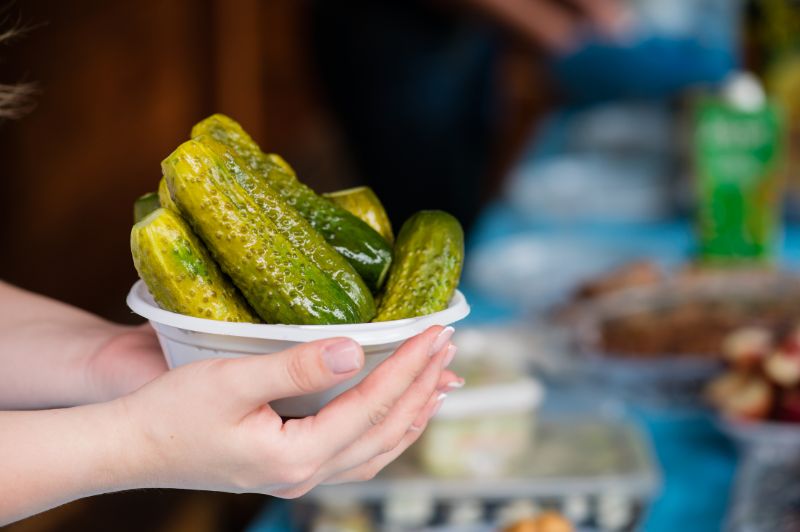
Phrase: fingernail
(448, 357)
(342, 356)
(455, 385)
(441, 340)
(439, 403)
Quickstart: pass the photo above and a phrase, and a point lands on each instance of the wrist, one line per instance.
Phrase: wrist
(55, 456)
(128, 455)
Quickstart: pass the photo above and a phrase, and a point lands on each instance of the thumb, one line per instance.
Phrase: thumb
(307, 368)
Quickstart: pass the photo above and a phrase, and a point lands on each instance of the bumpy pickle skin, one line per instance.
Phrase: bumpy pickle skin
(296, 229)
(368, 252)
(428, 257)
(281, 284)
(164, 198)
(179, 272)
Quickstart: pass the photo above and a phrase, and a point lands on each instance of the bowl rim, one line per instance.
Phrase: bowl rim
(141, 302)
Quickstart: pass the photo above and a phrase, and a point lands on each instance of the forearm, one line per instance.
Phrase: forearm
(44, 349)
(50, 457)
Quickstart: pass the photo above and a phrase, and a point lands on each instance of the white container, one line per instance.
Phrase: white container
(483, 431)
(185, 339)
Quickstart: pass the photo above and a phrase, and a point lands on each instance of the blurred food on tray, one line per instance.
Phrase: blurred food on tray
(689, 314)
(637, 273)
(762, 381)
(547, 521)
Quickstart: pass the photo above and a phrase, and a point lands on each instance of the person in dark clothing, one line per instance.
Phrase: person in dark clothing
(411, 83)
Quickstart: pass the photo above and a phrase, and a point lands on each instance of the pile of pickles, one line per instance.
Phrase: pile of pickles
(233, 235)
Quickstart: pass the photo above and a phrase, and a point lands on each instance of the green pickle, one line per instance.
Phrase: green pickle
(368, 252)
(164, 199)
(297, 229)
(364, 203)
(428, 257)
(281, 283)
(143, 206)
(179, 272)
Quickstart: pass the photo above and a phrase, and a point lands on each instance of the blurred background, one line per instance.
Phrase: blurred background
(626, 173)
(119, 84)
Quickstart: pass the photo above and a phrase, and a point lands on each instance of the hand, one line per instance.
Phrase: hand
(130, 358)
(207, 425)
(56, 355)
(557, 24)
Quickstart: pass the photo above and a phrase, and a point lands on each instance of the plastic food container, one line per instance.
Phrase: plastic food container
(185, 339)
(771, 436)
(765, 493)
(484, 431)
(597, 469)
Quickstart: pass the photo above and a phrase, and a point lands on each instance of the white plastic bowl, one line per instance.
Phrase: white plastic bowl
(185, 339)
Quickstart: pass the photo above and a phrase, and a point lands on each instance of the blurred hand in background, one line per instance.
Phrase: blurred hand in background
(557, 25)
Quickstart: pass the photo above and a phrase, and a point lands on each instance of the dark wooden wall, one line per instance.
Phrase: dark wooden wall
(120, 85)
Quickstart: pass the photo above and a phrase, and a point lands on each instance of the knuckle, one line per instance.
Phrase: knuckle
(390, 441)
(299, 474)
(299, 374)
(242, 484)
(385, 446)
(216, 365)
(294, 492)
(378, 413)
(396, 439)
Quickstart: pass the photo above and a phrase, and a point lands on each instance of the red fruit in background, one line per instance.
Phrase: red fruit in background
(783, 368)
(789, 407)
(791, 343)
(742, 396)
(747, 347)
(721, 389)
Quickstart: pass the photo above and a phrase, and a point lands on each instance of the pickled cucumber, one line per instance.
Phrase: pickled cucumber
(179, 272)
(368, 252)
(279, 281)
(428, 257)
(364, 203)
(296, 229)
(163, 196)
(144, 205)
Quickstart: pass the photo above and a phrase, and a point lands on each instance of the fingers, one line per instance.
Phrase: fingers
(352, 414)
(372, 467)
(368, 470)
(556, 25)
(544, 22)
(362, 471)
(304, 369)
(610, 16)
(449, 381)
(402, 417)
